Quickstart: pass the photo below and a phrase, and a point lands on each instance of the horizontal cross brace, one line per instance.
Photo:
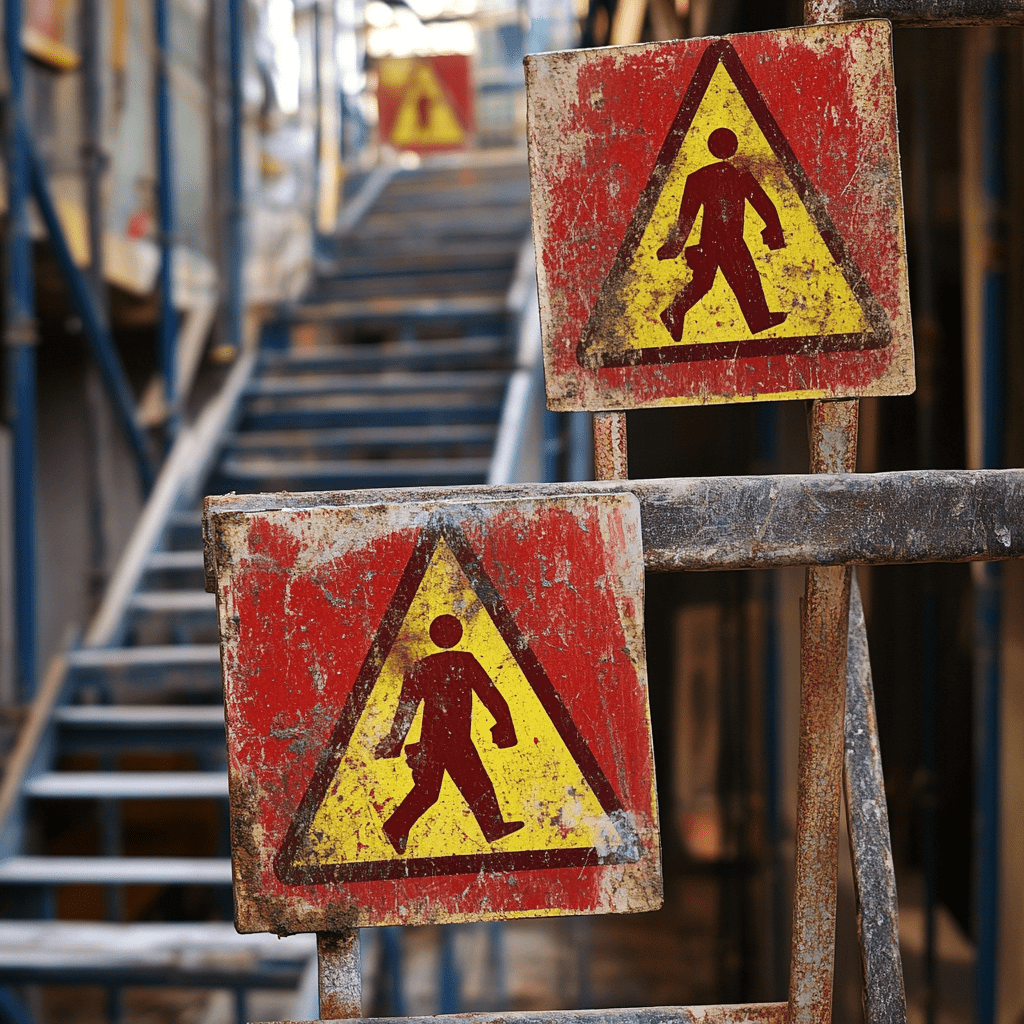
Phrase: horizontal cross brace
(760, 522)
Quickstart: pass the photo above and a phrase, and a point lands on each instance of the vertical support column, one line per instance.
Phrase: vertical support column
(236, 210)
(340, 980)
(823, 628)
(20, 358)
(984, 192)
(165, 203)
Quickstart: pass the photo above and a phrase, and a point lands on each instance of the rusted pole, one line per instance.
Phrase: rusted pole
(340, 980)
(610, 462)
(823, 631)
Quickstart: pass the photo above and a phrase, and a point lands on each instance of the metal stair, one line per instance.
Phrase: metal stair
(419, 317)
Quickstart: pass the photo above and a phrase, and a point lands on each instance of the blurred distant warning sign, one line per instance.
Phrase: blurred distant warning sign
(720, 220)
(425, 103)
(437, 713)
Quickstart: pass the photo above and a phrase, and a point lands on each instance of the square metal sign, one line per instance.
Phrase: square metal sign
(436, 712)
(720, 220)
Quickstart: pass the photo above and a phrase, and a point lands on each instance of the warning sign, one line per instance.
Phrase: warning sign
(750, 255)
(425, 103)
(458, 745)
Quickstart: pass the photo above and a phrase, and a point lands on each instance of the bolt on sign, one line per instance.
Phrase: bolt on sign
(425, 104)
(436, 712)
(720, 220)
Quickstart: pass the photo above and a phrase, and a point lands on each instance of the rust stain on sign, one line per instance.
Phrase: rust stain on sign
(720, 220)
(436, 712)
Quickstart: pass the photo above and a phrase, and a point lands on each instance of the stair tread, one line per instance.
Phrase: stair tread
(173, 601)
(155, 654)
(429, 434)
(175, 560)
(389, 381)
(127, 785)
(383, 468)
(184, 945)
(111, 870)
(135, 716)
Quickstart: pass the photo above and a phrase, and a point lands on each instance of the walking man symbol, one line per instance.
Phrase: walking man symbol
(723, 190)
(445, 682)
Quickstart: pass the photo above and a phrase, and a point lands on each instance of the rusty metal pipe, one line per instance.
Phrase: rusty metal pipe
(936, 13)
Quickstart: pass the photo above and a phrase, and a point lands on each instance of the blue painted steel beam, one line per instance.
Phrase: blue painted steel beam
(101, 345)
(988, 578)
(165, 202)
(20, 363)
(236, 217)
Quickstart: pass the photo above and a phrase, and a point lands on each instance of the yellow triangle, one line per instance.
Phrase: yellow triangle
(536, 780)
(802, 278)
(425, 117)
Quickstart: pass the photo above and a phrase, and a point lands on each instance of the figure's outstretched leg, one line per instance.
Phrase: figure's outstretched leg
(742, 276)
(704, 268)
(468, 773)
(420, 799)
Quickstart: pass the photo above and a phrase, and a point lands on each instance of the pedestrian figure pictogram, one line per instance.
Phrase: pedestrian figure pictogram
(722, 190)
(445, 683)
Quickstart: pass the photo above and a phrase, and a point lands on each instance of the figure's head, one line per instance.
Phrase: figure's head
(446, 631)
(722, 142)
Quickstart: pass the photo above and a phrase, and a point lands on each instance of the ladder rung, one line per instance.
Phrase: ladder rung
(127, 785)
(116, 870)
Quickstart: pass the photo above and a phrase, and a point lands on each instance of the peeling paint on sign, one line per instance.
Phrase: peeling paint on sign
(436, 712)
(720, 220)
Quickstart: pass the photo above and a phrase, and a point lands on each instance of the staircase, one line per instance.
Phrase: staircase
(410, 361)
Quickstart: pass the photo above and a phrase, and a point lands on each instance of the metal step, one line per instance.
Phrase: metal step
(127, 786)
(415, 307)
(115, 871)
(344, 474)
(154, 656)
(465, 352)
(174, 561)
(175, 602)
(372, 411)
(443, 283)
(197, 953)
(135, 727)
(391, 439)
(391, 383)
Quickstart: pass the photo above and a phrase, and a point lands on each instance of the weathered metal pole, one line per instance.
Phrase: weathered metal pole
(236, 209)
(340, 980)
(823, 639)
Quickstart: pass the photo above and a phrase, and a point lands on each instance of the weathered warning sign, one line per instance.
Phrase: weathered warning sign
(425, 104)
(437, 713)
(720, 220)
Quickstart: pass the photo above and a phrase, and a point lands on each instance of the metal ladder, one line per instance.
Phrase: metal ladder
(419, 315)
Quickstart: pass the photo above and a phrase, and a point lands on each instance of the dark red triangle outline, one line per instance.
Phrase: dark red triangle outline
(329, 758)
(589, 355)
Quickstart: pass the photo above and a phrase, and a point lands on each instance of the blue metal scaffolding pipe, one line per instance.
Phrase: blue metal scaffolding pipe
(236, 242)
(20, 360)
(101, 345)
(165, 200)
(988, 581)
